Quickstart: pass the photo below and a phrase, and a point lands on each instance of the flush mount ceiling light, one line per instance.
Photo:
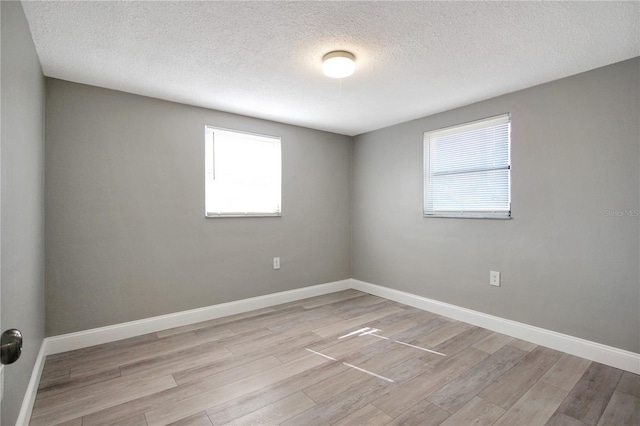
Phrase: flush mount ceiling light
(338, 64)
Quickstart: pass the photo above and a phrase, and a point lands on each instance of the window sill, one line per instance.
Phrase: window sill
(223, 215)
(462, 216)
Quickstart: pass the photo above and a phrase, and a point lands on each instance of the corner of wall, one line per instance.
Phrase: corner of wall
(22, 201)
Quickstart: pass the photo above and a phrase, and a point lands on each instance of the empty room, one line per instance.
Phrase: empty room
(319, 213)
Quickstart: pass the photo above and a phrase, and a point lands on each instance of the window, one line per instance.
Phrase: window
(243, 174)
(467, 170)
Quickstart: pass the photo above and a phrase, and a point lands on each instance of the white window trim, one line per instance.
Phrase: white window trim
(462, 214)
(210, 172)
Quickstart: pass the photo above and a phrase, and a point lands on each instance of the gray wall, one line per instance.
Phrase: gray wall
(126, 236)
(22, 201)
(566, 266)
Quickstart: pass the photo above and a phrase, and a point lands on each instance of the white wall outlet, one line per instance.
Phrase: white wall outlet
(494, 278)
(276, 263)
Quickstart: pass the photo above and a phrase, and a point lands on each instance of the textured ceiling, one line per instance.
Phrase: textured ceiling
(263, 59)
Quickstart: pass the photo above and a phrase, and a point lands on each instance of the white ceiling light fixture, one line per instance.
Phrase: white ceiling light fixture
(338, 64)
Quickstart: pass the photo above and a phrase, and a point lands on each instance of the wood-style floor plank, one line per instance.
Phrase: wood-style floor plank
(320, 392)
(199, 419)
(423, 413)
(559, 419)
(191, 358)
(565, 373)
(79, 395)
(138, 420)
(461, 390)
(442, 334)
(213, 323)
(521, 344)
(462, 341)
(493, 342)
(294, 365)
(265, 320)
(312, 319)
(69, 384)
(536, 406)
(508, 389)
(630, 384)
(402, 324)
(240, 371)
(354, 323)
(277, 412)
(367, 415)
(590, 396)
(326, 299)
(400, 400)
(80, 405)
(336, 347)
(476, 412)
(73, 422)
(52, 375)
(106, 349)
(225, 412)
(324, 390)
(623, 410)
(167, 397)
(340, 406)
(108, 361)
(203, 401)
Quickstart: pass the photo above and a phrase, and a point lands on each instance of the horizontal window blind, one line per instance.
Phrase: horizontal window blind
(243, 174)
(467, 170)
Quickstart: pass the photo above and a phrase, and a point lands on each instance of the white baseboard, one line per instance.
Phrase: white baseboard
(604, 354)
(32, 389)
(593, 351)
(97, 336)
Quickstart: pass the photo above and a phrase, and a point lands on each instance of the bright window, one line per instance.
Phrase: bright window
(243, 174)
(467, 170)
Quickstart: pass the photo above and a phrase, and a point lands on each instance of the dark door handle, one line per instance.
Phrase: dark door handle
(10, 346)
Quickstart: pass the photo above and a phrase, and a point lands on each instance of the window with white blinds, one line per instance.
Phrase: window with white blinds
(242, 174)
(467, 170)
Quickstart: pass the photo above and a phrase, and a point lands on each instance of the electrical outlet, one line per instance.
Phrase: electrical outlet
(276, 263)
(494, 278)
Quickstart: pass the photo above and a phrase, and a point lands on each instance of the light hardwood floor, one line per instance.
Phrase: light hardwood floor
(346, 358)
